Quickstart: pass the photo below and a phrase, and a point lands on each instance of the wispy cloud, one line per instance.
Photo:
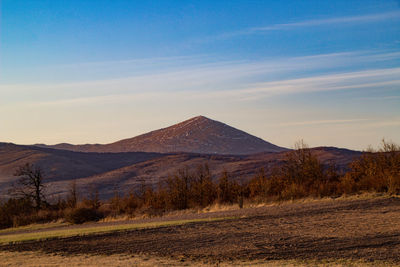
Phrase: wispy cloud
(236, 80)
(350, 80)
(319, 122)
(344, 81)
(313, 23)
(386, 123)
(375, 97)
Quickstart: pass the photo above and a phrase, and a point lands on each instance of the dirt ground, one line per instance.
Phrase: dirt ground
(366, 229)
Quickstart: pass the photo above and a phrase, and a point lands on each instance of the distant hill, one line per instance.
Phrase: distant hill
(107, 172)
(60, 165)
(196, 135)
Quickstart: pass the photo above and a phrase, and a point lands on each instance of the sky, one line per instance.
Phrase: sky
(327, 72)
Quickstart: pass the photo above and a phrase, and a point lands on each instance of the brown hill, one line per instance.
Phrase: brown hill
(61, 165)
(196, 135)
(106, 172)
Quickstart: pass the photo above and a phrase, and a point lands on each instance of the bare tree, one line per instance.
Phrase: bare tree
(72, 197)
(30, 184)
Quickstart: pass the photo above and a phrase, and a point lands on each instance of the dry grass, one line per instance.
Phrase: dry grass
(210, 209)
(89, 230)
(33, 227)
(34, 259)
(249, 204)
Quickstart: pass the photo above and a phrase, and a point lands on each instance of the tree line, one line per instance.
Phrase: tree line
(301, 175)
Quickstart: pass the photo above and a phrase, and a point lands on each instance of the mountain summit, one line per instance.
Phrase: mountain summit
(196, 135)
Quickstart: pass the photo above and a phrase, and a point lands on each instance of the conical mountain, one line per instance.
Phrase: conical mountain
(196, 135)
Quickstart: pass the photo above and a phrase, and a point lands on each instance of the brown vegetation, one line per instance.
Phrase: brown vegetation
(301, 175)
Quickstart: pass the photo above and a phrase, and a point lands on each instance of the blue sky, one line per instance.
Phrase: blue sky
(99, 71)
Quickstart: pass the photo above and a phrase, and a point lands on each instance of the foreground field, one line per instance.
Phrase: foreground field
(337, 232)
(34, 259)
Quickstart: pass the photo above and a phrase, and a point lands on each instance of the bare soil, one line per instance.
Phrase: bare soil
(366, 230)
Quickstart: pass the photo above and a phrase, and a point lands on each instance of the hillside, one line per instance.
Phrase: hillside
(106, 172)
(196, 135)
(61, 165)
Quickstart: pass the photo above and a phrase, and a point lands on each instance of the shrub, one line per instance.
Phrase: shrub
(16, 212)
(83, 214)
(377, 171)
(227, 190)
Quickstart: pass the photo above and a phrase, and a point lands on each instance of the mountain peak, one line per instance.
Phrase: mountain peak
(200, 117)
(194, 122)
(196, 135)
(197, 119)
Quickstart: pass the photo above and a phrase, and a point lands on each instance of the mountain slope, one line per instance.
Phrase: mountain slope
(241, 168)
(61, 165)
(128, 171)
(196, 135)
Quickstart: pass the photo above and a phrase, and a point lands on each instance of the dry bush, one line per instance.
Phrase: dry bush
(19, 212)
(203, 191)
(301, 175)
(377, 171)
(228, 190)
(82, 214)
